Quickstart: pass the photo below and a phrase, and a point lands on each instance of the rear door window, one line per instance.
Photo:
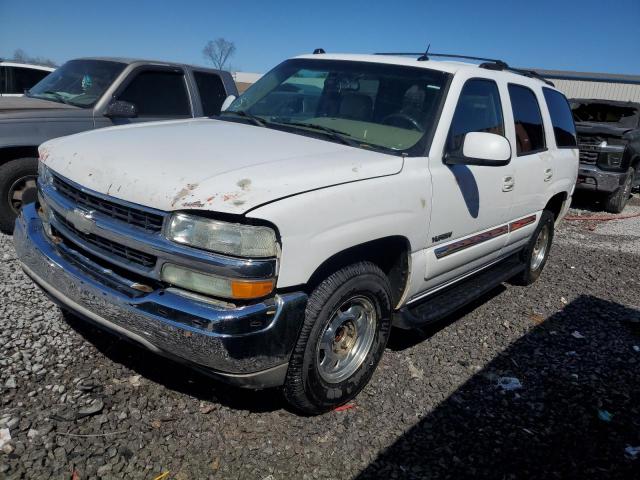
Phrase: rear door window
(478, 110)
(212, 92)
(564, 128)
(528, 120)
(158, 94)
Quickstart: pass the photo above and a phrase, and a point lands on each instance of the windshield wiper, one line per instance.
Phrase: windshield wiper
(56, 95)
(342, 137)
(241, 113)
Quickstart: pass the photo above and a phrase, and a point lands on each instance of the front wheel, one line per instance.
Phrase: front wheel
(536, 254)
(344, 334)
(17, 188)
(617, 200)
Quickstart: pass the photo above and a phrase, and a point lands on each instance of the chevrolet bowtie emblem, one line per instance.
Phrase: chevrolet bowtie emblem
(82, 220)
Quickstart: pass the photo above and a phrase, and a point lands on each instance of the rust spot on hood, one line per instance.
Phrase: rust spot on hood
(184, 192)
(196, 204)
(244, 184)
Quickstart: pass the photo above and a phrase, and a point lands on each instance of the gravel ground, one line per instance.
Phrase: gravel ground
(78, 403)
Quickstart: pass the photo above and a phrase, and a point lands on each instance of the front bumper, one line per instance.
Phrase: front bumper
(592, 178)
(248, 345)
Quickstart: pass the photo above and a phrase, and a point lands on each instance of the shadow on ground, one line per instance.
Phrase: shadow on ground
(575, 367)
(174, 375)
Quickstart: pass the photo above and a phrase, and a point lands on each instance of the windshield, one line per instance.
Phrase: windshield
(78, 82)
(368, 105)
(605, 113)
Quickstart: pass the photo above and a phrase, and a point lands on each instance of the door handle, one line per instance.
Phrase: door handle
(508, 183)
(548, 174)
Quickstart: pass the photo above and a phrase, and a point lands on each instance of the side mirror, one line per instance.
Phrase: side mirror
(227, 101)
(481, 148)
(121, 109)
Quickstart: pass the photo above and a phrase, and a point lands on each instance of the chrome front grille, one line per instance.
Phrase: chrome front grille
(106, 246)
(589, 148)
(133, 216)
(126, 237)
(590, 157)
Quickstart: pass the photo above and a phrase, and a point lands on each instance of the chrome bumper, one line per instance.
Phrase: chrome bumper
(249, 345)
(590, 177)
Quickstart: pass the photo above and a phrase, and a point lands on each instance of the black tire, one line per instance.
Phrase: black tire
(616, 201)
(533, 269)
(12, 173)
(305, 388)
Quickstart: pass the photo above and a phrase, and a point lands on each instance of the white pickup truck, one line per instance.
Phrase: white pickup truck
(277, 244)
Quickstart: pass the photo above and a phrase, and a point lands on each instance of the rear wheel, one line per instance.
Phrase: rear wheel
(345, 331)
(17, 188)
(616, 201)
(537, 252)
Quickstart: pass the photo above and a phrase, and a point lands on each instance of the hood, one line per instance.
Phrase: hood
(29, 107)
(605, 130)
(208, 164)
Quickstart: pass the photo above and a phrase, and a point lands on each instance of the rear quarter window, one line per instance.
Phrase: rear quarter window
(212, 92)
(564, 128)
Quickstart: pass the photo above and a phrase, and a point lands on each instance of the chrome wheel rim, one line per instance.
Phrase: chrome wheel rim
(540, 248)
(22, 189)
(347, 339)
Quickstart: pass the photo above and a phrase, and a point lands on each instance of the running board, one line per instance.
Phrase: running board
(437, 306)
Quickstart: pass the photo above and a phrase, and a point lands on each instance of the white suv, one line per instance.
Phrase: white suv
(277, 244)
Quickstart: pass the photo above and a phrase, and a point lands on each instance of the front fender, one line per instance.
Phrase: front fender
(315, 226)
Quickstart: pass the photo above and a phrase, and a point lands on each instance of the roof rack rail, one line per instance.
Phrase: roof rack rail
(488, 63)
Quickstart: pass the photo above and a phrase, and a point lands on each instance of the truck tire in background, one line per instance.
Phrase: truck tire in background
(617, 200)
(348, 316)
(17, 188)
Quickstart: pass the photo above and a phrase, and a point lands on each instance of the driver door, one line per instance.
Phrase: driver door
(471, 204)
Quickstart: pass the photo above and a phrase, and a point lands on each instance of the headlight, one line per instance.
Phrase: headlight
(222, 237)
(614, 159)
(611, 154)
(216, 286)
(45, 177)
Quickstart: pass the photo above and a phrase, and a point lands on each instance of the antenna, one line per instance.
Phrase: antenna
(319, 51)
(425, 57)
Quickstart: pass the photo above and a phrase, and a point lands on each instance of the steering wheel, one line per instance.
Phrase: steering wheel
(404, 118)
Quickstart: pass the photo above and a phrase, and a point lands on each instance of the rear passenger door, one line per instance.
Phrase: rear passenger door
(531, 160)
(471, 204)
(158, 94)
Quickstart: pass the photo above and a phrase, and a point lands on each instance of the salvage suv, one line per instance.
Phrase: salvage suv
(277, 244)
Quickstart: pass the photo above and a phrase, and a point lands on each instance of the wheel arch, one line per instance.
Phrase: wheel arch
(392, 254)
(12, 153)
(556, 204)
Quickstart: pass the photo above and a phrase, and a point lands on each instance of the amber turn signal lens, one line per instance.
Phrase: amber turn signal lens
(245, 290)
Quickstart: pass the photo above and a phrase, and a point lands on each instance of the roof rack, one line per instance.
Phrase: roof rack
(488, 63)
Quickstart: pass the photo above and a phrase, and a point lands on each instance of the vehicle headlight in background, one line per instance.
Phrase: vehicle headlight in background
(612, 154)
(222, 237)
(614, 159)
(45, 177)
(216, 286)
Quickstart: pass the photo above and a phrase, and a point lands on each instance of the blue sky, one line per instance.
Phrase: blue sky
(586, 35)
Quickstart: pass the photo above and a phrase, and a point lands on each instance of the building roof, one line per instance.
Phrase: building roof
(589, 76)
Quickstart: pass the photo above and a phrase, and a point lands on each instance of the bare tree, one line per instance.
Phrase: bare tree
(218, 52)
(21, 56)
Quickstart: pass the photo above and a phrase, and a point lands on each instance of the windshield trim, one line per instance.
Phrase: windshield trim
(419, 149)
